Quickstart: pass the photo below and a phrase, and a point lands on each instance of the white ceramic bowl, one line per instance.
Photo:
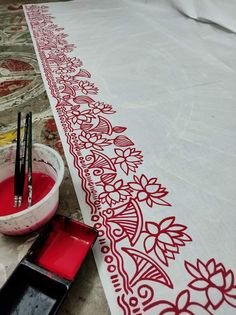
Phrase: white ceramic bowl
(47, 161)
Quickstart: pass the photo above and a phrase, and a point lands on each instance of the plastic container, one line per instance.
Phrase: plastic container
(46, 161)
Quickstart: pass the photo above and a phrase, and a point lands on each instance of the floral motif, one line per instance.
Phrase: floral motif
(149, 190)
(87, 87)
(67, 65)
(165, 238)
(74, 62)
(67, 79)
(56, 57)
(114, 193)
(122, 141)
(67, 48)
(93, 140)
(78, 116)
(129, 159)
(217, 282)
(182, 306)
(100, 107)
(64, 70)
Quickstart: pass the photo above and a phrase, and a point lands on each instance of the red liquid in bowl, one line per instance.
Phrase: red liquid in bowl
(42, 184)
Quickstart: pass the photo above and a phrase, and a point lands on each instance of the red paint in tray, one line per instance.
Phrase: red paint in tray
(41, 281)
(66, 248)
(42, 184)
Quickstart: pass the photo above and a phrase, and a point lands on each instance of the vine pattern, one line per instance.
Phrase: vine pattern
(107, 162)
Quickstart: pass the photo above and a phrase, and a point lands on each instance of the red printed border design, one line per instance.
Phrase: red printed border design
(107, 162)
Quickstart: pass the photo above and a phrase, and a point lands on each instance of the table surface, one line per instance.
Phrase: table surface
(87, 292)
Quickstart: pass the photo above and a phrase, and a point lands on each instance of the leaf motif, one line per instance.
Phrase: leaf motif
(118, 129)
(149, 202)
(162, 202)
(68, 90)
(83, 99)
(83, 73)
(122, 141)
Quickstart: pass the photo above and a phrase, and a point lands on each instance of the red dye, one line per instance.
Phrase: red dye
(42, 184)
(65, 249)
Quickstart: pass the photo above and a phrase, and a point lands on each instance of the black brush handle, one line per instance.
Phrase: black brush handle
(23, 164)
(17, 161)
(30, 187)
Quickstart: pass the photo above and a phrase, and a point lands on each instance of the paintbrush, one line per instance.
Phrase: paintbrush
(23, 160)
(17, 163)
(30, 188)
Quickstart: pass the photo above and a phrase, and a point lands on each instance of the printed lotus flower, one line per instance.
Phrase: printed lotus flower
(87, 87)
(100, 107)
(61, 39)
(67, 79)
(93, 140)
(63, 70)
(74, 62)
(48, 35)
(165, 238)
(56, 58)
(114, 193)
(68, 48)
(182, 306)
(64, 64)
(64, 67)
(46, 19)
(129, 159)
(78, 116)
(149, 190)
(217, 282)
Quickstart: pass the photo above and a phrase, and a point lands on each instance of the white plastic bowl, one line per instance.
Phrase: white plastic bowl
(47, 161)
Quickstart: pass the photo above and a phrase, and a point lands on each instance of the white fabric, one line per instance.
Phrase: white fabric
(172, 82)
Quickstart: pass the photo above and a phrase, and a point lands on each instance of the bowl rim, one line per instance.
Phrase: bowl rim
(45, 198)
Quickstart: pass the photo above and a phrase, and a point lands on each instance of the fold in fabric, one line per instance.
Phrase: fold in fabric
(221, 13)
